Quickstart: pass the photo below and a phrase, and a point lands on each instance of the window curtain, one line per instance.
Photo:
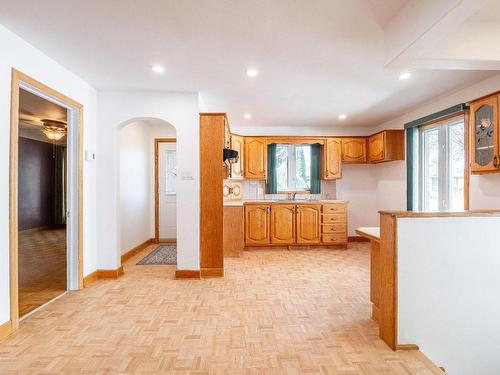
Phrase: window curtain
(315, 168)
(412, 150)
(60, 185)
(272, 181)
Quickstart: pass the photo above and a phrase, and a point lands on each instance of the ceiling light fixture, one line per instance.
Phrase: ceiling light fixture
(404, 76)
(158, 69)
(252, 72)
(54, 130)
(247, 116)
(342, 117)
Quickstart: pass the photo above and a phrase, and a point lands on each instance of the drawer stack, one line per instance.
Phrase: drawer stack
(334, 223)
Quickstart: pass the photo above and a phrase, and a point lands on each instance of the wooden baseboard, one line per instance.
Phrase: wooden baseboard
(102, 274)
(167, 240)
(89, 279)
(187, 274)
(5, 329)
(110, 274)
(212, 272)
(357, 239)
(407, 347)
(129, 254)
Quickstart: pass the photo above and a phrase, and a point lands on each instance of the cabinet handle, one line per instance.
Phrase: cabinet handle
(495, 161)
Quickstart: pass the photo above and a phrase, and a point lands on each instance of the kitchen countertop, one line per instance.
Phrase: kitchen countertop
(372, 233)
(284, 201)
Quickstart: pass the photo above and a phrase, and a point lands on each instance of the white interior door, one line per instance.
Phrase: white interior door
(167, 217)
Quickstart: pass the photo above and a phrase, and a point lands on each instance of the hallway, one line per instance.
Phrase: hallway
(275, 312)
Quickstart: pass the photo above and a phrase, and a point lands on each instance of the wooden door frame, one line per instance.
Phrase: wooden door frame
(157, 198)
(17, 78)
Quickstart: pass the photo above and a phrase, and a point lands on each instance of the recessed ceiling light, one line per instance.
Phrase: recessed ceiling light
(247, 116)
(404, 76)
(252, 72)
(158, 69)
(342, 117)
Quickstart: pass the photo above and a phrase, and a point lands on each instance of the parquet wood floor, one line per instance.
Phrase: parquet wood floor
(274, 312)
(42, 267)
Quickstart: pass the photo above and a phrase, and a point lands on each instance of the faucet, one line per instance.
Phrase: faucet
(291, 196)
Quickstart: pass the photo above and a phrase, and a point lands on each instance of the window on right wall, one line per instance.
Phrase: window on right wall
(441, 165)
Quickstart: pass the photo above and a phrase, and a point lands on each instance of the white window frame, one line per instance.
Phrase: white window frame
(292, 166)
(444, 187)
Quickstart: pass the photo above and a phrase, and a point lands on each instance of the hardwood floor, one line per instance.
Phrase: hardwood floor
(42, 267)
(274, 312)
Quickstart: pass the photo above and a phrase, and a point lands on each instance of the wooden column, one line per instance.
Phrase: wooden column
(388, 281)
(211, 195)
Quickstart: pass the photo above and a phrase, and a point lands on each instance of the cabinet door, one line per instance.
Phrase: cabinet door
(255, 158)
(308, 223)
(332, 159)
(354, 150)
(257, 224)
(283, 223)
(376, 147)
(484, 135)
(236, 168)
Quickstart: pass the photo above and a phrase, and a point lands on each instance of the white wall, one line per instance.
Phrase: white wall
(448, 288)
(134, 189)
(484, 191)
(136, 180)
(180, 109)
(18, 54)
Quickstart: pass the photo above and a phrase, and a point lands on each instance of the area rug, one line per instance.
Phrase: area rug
(163, 254)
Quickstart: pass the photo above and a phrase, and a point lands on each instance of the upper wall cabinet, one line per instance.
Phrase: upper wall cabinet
(332, 155)
(237, 167)
(354, 150)
(388, 145)
(484, 128)
(255, 160)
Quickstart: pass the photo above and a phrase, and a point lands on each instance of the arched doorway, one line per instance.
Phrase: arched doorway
(146, 184)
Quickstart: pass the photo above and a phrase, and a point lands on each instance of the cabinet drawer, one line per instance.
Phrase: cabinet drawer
(334, 219)
(334, 208)
(334, 228)
(334, 238)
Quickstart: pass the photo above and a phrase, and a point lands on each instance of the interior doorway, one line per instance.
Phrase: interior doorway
(165, 190)
(42, 191)
(45, 196)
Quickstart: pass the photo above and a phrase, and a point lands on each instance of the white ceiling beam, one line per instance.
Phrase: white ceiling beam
(421, 24)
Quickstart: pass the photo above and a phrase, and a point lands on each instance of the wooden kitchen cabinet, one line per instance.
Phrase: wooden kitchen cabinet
(233, 231)
(236, 172)
(332, 156)
(354, 150)
(255, 161)
(387, 145)
(484, 128)
(308, 223)
(257, 224)
(283, 223)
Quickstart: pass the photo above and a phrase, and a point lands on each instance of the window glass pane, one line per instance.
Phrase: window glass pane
(457, 162)
(282, 167)
(431, 170)
(302, 167)
(171, 166)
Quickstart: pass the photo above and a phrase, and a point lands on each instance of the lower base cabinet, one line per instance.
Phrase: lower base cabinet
(257, 224)
(302, 223)
(308, 223)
